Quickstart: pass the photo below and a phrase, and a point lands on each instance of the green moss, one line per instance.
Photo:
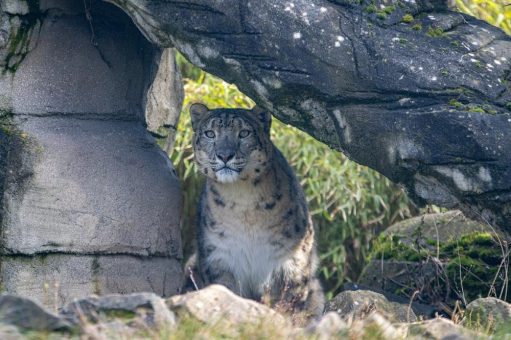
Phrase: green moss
(403, 40)
(435, 32)
(20, 39)
(389, 9)
(391, 247)
(417, 27)
(476, 256)
(382, 15)
(124, 315)
(371, 8)
(455, 43)
(444, 72)
(407, 18)
(508, 106)
(476, 109)
(455, 103)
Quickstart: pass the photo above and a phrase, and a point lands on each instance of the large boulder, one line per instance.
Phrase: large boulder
(426, 101)
(88, 202)
(438, 259)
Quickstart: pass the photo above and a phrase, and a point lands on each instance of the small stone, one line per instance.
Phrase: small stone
(148, 307)
(360, 304)
(28, 315)
(487, 313)
(15, 7)
(219, 304)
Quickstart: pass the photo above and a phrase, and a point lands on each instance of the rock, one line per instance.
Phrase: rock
(56, 279)
(329, 326)
(376, 326)
(14, 7)
(147, 307)
(487, 314)
(164, 100)
(217, 304)
(8, 332)
(356, 305)
(89, 203)
(440, 121)
(95, 187)
(27, 315)
(441, 329)
(421, 258)
(443, 227)
(107, 80)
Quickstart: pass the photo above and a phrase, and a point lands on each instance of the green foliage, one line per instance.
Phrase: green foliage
(435, 32)
(495, 12)
(407, 18)
(349, 202)
(471, 263)
(417, 27)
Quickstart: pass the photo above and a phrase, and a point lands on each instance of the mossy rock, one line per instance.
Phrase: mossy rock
(438, 259)
(488, 315)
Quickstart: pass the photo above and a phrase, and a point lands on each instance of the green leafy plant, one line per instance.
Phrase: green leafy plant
(495, 12)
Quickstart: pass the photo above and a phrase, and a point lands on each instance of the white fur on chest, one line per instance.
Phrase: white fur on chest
(249, 255)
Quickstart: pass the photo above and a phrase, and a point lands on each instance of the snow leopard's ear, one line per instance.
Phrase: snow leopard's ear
(264, 116)
(198, 112)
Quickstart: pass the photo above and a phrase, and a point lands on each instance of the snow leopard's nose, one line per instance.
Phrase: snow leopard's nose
(225, 155)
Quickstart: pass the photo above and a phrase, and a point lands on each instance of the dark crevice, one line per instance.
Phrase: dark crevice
(194, 7)
(275, 68)
(250, 57)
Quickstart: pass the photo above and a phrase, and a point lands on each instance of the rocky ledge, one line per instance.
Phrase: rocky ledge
(217, 312)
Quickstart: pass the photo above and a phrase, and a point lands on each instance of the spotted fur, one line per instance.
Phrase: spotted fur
(255, 234)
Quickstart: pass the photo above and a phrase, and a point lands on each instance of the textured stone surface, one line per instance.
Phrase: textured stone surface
(57, 279)
(83, 185)
(17, 7)
(427, 111)
(356, 305)
(216, 303)
(443, 227)
(147, 306)
(487, 313)
(72, 71)
(26, 314)
(441, 329)
(164, 100)
(95, 187)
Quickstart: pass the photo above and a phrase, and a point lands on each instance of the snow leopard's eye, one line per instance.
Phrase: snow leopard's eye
(209, 133)
(244, 133)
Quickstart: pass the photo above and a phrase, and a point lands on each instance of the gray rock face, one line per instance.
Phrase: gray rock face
(56, 279)
(164, 99)
(429, 107)
(97, 187)
(89, 203)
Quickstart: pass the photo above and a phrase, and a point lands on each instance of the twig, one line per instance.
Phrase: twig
(192, 279)
(410, 305)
